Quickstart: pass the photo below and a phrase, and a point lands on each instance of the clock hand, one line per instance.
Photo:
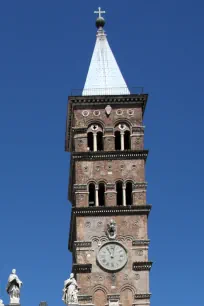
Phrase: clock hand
(113, 249)
(108, 250)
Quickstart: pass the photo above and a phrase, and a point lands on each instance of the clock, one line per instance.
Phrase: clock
(112, 256)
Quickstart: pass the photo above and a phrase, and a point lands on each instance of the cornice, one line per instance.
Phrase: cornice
(142, 265)
(84, 298)
(142, 296)
(140, 99)
(140, 242)
(78, 130)
(83, 130)
(81, 268)
(80, 187)
(113, 297)
(138, 129)
(110, 155)
(82, 244)
(107, 211)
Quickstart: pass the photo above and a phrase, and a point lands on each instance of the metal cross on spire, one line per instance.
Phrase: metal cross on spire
(99, 12)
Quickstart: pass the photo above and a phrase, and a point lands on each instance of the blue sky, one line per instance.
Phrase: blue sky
(45, 49)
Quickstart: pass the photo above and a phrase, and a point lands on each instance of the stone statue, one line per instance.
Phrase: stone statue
(70, 291)
(1, 303)
(111, 229)
(13, 287)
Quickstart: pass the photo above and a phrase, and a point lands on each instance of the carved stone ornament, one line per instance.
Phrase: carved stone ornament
(85, 113)
(96, 113)
(13, 287)
(111, 229)
(108, 110)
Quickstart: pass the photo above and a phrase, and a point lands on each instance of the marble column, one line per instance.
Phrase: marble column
(96, 196)
(95, 142)
(122, 141)
(124, 195)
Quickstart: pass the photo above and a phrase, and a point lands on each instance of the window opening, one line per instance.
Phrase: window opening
(90, 141)
(92, 194)
(119, 189)
(100, 141)
(127, 140)
(101, 194)
(129, 193)
(117, 141)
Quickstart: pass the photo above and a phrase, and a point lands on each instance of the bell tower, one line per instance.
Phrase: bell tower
(107, 187)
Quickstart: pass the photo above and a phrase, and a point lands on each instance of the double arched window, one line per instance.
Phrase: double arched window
(124, 193)
(97, 194)
(122, 137)
(95, 138)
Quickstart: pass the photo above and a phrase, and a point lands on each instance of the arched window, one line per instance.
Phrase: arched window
(129, 193)
(127, 142)
(101, 194)
(90, 141)
(119, 190)
(117, 140)
(99, 141)
(122, 137)
(95, 137)
(92, 194)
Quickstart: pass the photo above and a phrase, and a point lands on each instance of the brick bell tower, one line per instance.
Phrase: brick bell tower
(107, 186)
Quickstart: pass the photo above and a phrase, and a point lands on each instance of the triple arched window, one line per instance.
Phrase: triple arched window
(97, 194)
(95, 138)
(122, 137)
(124, 193)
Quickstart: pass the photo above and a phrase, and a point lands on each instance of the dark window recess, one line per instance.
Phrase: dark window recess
(127, 140)
(117, 141)
(99, 141)
(119, 189)
(101, 194)
(129, 193)
(91, 194)
(90, 141)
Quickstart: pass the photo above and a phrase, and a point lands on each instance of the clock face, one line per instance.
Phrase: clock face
(112, 256)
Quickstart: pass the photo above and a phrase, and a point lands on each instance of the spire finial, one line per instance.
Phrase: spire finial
(99, 12)
(100, 21)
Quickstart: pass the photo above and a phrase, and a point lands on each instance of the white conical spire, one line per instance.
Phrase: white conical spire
(104, 76)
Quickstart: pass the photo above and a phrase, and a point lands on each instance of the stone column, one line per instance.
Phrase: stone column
(124, 195)
(96, 196)
(95, 142)
(122, 140)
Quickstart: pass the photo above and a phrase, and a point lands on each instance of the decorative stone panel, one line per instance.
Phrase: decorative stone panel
(80, 143)
(132, 169)
(110, 198)
(137, 142)
(109, 143)
(140, 253)
(81, 198)
(132, 227)
(139, 197)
